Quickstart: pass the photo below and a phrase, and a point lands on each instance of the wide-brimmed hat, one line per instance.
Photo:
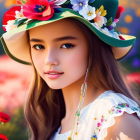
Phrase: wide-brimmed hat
(100, 16)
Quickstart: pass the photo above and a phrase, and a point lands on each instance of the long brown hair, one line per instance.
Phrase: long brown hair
(44, 107)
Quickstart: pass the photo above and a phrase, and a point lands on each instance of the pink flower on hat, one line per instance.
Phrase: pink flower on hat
(38, 9)
(100, 19)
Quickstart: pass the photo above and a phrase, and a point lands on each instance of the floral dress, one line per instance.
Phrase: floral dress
(100, 114)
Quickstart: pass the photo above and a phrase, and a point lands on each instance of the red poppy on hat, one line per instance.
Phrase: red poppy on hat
(119, 12)
(38, 9)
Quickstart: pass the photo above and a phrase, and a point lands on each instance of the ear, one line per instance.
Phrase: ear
(119, 52)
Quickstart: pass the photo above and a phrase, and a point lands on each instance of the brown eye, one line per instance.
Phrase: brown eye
(67, 46)
(38, 47)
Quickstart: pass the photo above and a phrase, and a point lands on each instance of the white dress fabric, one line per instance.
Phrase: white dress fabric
(97, 116)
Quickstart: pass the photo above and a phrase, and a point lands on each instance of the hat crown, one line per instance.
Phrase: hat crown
(110, 6)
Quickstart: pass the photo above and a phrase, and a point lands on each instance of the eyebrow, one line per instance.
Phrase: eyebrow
(65, 38)
(56, 39)
(36, 40)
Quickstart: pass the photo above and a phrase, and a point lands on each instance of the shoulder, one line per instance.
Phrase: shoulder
(112, 115)
(117, 117)
(126, 127)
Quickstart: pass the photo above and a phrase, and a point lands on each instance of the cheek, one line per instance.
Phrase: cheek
(37, 61)
(76, 63)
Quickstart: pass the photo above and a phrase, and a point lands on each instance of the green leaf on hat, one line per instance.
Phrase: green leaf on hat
(67, 2)
(32, 24)
(64, 5)
(109, 22)
(15, 20)
(19, 22)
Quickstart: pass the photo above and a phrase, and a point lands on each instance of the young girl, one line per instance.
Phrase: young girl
(78, 91)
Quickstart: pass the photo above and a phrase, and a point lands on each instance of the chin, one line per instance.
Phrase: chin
(55, 85)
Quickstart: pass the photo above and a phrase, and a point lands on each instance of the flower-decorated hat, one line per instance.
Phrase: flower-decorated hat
(100, 16)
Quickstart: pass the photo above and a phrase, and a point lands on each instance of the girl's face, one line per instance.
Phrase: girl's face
(60, 46)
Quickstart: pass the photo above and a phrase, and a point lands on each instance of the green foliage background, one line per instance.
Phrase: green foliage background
(15, 129)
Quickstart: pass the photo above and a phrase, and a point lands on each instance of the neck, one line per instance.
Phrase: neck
(72, 94)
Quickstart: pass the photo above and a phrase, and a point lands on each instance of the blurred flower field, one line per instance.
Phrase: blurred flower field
(14, 82)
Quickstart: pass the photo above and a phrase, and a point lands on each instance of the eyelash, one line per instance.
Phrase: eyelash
(70, 46)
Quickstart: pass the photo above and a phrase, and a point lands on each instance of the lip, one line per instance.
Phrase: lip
(53, 76)
(53, 72)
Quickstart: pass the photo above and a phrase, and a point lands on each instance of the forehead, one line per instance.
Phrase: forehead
(56, 29)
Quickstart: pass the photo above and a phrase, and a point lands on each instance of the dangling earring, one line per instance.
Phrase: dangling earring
(77, 114)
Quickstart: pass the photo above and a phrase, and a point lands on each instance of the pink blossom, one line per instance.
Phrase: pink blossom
(116, 20)
(38, 9)
(99, 19)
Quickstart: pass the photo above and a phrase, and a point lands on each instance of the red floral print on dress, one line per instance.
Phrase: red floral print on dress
(101, 122)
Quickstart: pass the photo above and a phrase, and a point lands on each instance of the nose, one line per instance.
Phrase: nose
(51, 58)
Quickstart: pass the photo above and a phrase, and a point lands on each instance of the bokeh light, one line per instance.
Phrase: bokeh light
(124, 30)
(134, 5)
(136, 62)
(8, 3)
(128, 18)
(137, 12)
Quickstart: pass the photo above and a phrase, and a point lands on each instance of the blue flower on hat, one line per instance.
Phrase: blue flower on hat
(114, 34)
(78, 4)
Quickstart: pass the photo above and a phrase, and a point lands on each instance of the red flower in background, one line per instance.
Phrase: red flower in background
(10, 15)
(134, 77)
(3, 137)
(4, 117)
(38, 9)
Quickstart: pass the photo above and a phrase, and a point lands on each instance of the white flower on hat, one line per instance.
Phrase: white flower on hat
(113, 24)
(88, 12)
(19, 15)
(106, 31)
(96, 25)
(10, 25)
